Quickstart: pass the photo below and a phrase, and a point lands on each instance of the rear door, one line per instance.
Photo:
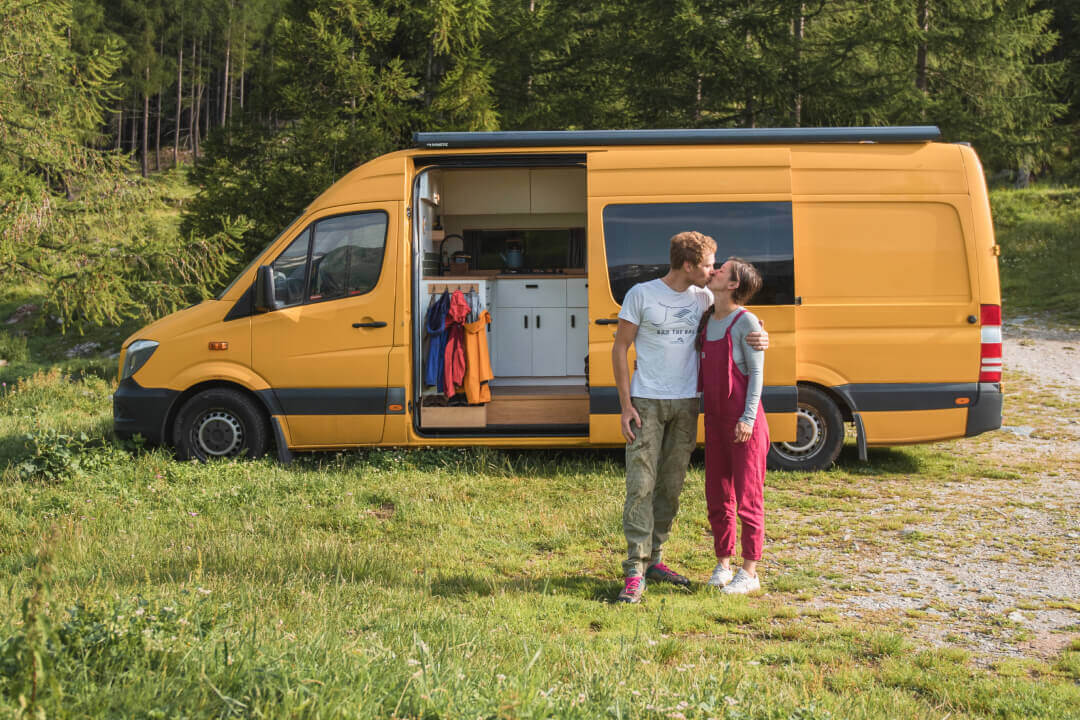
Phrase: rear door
(325, 352)
(638, 198)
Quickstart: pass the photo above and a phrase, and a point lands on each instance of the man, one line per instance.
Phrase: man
(660, 405)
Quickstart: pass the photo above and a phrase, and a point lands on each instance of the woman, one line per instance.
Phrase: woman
(736, 435)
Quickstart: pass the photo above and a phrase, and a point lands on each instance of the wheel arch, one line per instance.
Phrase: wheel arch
(842, 402)
(182, 398)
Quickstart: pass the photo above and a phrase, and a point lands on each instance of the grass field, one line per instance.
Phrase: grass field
(459, 583)
(479, 584)
(1039, 233)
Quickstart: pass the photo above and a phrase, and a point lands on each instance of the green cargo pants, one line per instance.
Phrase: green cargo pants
(656, 464)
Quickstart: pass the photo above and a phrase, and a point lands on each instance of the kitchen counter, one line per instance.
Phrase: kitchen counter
(496, 275)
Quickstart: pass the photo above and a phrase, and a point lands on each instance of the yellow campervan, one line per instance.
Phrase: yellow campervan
(881, 294)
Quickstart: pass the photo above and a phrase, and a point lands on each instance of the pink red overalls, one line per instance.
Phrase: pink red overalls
(734, 472)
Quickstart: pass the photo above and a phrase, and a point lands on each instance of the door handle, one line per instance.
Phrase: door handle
(374, 324)
(537, 322)
(572, 321)
(526, 322)
(607, 321)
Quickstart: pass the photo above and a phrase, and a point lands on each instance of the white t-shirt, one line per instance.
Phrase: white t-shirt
(667, 363)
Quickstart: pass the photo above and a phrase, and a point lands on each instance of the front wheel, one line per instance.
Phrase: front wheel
(220, 423)
(818, 438)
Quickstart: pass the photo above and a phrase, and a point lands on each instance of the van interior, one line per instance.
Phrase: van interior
(513, 241)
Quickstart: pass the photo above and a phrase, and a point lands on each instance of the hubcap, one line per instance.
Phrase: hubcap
(809, 436)
(218, 433)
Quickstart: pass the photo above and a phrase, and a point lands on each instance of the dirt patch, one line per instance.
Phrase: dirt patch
(991, 564)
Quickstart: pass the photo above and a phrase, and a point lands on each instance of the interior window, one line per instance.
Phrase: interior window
(289, 272)
(637, 236)
(347, 255)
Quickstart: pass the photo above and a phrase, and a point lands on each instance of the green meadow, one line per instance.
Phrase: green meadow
(478, 583)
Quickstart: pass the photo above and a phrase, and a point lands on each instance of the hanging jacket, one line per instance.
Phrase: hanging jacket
(455, 343)
(477, 360)
(435, 327)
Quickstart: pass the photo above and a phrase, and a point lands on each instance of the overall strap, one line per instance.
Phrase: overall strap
(727, 333)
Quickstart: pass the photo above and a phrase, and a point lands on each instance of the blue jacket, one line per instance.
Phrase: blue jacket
(435, 326)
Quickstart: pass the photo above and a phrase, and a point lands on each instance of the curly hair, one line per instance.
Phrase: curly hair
(690, 246)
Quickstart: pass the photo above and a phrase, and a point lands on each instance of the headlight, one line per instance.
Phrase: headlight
(138, 353)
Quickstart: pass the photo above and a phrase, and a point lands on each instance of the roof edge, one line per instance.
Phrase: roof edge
(705, 136)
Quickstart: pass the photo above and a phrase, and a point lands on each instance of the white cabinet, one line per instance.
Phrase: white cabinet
(530, 342)
(577, 339)
(577, 292)
(538, 332)
(513, 342)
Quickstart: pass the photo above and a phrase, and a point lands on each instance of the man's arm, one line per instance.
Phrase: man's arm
(624, 338)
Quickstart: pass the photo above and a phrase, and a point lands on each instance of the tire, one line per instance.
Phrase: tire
(819, 437)
(220, 423)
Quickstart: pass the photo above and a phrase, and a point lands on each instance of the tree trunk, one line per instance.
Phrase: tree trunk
(146, 126)
(191, 110)
(243, 69)
(157, 132)
(119, 128)
(921, 56)
(196, 95)
(798, 31)
(179, 101)
(225, 76)
(134, 145)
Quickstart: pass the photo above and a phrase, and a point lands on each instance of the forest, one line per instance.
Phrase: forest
(263, 103)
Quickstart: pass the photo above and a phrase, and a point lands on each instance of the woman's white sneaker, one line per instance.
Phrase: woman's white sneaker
(741, 584)
(721, 576)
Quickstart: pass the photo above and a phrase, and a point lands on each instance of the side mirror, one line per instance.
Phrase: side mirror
(265, 298)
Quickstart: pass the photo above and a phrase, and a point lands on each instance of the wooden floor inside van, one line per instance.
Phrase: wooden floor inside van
(538, 405)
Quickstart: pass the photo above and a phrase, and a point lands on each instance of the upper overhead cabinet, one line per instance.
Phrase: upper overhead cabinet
(521, 191)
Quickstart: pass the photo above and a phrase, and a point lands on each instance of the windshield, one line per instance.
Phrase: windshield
(251, 264)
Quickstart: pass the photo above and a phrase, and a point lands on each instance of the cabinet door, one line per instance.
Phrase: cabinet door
(576, 292)
(549, 342)
(577, 339)
(513, 331)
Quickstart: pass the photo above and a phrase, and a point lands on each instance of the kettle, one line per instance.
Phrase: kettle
(513, 257)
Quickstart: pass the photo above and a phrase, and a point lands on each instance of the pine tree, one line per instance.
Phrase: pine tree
(72, 217)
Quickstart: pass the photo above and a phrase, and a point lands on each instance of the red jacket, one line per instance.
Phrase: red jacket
(454, 368)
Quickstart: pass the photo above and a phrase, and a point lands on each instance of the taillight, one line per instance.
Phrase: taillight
(990, 352)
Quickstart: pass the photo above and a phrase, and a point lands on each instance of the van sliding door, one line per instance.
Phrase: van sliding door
(638, 198)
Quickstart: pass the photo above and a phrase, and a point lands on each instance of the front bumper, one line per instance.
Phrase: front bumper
(985, 413)
(143, 411)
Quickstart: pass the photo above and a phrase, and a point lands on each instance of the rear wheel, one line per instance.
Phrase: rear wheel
(220, 423)
(819, 436)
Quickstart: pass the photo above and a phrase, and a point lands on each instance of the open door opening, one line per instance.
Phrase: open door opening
(509, 244)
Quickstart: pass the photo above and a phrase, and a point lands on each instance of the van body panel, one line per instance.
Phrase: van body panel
(929, 169)
(901, 427)
(184, 352)
(648, 176)
(314, 354)
(651, 172)
(985, 250)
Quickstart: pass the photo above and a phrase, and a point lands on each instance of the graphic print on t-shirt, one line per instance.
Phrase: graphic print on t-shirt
(677, 324)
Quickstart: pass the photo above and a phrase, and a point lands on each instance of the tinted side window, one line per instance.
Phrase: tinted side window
(290, 272)
(636, 239)
(347, 255)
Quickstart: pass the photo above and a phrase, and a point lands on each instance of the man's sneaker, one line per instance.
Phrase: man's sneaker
(662, 573)
(721, 576)
(741, 584)
(634, 589)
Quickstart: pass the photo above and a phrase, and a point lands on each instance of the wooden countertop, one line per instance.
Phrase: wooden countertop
(507, 276)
